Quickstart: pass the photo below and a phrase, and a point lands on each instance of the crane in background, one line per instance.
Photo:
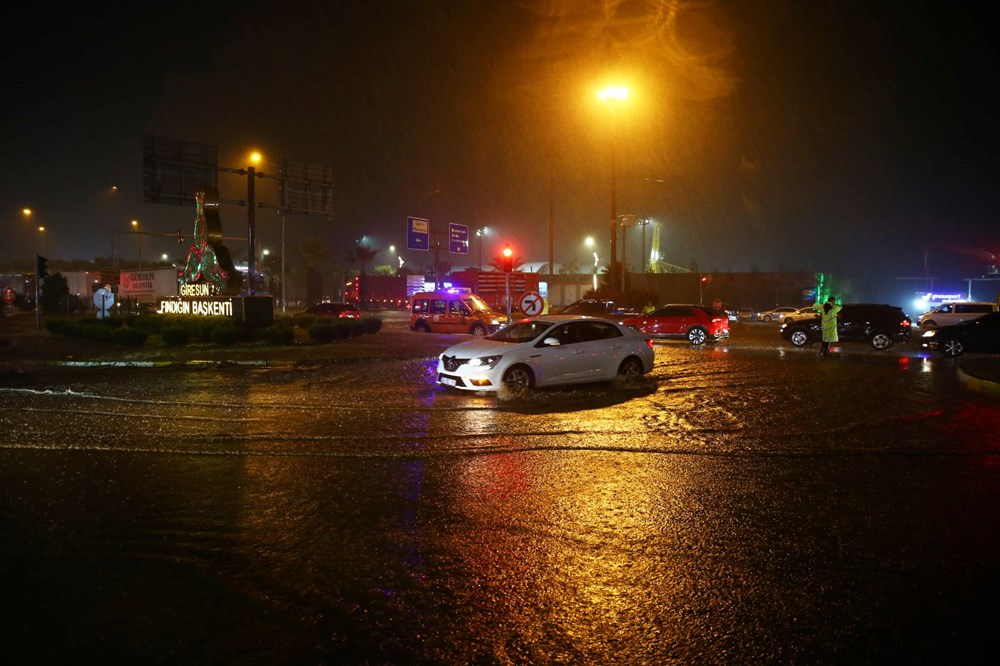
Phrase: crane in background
(656, 262)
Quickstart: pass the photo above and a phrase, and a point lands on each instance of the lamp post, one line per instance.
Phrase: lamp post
(480, 232)
(138, 240)
(611, 95)
(645, 259)
(256, 158)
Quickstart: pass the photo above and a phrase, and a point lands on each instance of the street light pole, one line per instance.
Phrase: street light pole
(614, 195)
(138, 241)
(611, 94)
(479, 234)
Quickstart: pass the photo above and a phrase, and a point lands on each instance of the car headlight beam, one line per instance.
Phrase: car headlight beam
(485, 361)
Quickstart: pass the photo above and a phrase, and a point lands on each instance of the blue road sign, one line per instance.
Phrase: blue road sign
(458, 238)
(418, 233)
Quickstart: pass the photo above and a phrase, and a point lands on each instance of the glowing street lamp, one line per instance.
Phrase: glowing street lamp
(612, 95)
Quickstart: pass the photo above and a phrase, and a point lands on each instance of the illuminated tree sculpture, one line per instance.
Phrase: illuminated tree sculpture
(203, 260)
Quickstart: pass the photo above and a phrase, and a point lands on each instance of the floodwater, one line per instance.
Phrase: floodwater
(741, 504)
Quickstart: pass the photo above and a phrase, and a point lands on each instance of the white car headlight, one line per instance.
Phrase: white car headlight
(485, 362)
(930, 334)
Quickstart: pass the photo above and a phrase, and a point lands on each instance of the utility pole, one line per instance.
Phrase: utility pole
(251, 236)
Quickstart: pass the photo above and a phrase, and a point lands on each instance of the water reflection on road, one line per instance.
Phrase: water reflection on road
(740, 504)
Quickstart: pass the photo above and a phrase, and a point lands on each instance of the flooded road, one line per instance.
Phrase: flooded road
(744, 503)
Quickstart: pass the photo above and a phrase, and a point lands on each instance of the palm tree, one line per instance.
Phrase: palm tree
(361, 255)
(496, 263)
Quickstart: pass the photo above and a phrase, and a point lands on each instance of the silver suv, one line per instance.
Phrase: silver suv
(948, 314)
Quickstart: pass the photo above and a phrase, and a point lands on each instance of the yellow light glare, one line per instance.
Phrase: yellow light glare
(26, 211)
(255, 157)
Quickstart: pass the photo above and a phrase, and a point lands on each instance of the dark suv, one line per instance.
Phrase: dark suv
(880, 325)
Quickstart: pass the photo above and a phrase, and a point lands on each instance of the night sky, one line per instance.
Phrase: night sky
(830, 135)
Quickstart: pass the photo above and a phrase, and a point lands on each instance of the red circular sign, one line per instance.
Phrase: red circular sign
(531, 303)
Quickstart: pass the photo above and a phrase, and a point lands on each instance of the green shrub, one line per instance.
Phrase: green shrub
(322, 331)
(101, 334)
(227, 333)
(278, 334)
(57, 326)
(129, 337)
(176, 335)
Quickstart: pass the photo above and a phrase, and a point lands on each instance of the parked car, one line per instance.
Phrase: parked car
(546, 351)
(333, 310)
(947, 314)
(595, 308)
(881, 326)
(697, 323)
(452, 311)
(801, 314)
(978, 335)
(777, 314)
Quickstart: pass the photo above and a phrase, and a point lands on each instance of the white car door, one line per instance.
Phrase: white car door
(561, 363)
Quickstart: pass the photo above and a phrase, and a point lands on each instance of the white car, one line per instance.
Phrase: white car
(949, 314)
(801, 314)
(547, 351)
(777, 314)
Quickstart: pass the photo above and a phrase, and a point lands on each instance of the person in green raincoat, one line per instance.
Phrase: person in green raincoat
(828, 322)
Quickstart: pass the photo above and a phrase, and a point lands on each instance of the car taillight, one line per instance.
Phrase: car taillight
(905, 323)
(649, 342)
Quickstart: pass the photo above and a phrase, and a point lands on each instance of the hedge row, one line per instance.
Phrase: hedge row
(179, 330)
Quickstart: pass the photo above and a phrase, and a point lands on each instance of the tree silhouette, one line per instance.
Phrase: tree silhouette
(496, 263)
(361, 255)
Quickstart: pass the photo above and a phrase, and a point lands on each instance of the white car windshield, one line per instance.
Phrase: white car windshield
(523, 331)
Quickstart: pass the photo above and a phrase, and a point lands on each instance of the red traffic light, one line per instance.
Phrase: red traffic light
(508, 259)
(704, 279)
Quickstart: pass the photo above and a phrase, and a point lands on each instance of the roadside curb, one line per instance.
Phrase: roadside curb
(973, 380)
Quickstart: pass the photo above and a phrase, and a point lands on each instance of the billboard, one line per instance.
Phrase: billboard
(306, 188)
(173, 170)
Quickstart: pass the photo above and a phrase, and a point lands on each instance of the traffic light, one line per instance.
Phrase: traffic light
(180, 237)
(508, 258)
(41, 267)
(704, 279)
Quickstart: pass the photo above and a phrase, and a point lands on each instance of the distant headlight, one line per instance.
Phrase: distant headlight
(485, 362)
(930, 334)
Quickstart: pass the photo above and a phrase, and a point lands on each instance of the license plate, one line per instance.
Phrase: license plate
(448, 381)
